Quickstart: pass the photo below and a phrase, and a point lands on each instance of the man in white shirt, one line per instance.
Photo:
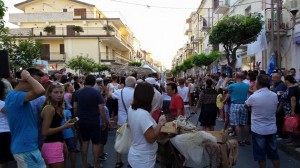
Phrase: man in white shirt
(157, 100)
(183, 91)
(263, 104)
(123, 95)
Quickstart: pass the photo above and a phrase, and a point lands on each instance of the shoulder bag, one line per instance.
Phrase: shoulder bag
(123, 140)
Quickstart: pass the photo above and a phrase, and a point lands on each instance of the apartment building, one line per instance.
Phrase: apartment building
(255, 54)
(62, 43)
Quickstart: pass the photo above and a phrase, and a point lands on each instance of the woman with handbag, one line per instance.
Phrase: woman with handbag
(144, 130)
(290, 103)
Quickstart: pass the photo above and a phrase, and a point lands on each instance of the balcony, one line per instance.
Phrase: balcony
(205, 25)
(286, 22)
(221, 7)
(54, 57)
(16, 18)
(114, 58)
(188, 31)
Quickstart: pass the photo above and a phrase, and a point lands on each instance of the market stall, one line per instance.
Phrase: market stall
(182, 145)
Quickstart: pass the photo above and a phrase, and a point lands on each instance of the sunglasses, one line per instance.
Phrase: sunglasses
(56, 84)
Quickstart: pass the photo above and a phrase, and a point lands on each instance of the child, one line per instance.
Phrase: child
(70, 139)
(103, 135)
(220, 104)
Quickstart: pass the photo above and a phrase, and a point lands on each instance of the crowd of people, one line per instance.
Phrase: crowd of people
(37, 126)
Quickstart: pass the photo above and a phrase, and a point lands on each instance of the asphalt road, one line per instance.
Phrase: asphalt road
(245, 158)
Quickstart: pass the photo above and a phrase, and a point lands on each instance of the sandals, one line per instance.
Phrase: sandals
(247, 142)
(241, 143)
(119, 164)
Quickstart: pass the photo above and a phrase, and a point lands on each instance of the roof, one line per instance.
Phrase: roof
(22, 4)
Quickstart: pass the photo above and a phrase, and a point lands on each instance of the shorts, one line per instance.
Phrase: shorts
(71, 144)
(53, 152)
(89, 132)
(227, 108)
(238, 114)
(103, 136)
(5, 152)
(264, 145)
(32, 159)
(112, 105)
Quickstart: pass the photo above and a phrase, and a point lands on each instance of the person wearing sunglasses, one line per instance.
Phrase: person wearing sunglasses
(52, 116)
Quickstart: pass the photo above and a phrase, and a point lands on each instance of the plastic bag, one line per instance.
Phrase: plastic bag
(123, 140)
(292, 124)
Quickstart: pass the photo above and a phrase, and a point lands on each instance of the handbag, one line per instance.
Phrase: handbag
(292, 124)
(123, 140)
(156, 114)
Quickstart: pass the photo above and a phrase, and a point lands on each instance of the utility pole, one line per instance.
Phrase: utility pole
(278, 55)
(272, 28)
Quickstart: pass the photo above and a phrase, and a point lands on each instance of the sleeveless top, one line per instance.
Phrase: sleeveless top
(57, 137)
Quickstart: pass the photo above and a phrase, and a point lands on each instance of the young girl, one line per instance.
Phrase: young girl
(220, 104)
(52, 116)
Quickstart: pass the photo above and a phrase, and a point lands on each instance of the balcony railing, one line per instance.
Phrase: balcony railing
(221, 7)
(114, 57)
(205, 24)
(54, 57)
(286, 21)
(62, 31)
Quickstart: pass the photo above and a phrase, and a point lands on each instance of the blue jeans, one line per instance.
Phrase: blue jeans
(264, 145)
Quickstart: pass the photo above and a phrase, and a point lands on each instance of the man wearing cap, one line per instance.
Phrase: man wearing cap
(157, 100)
(279, 88)
(99, 85)
(22, 120)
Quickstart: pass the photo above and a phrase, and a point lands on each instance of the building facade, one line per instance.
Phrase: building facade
(257, 54)
(62, 42)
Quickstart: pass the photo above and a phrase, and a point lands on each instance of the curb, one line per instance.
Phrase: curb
(291, 151)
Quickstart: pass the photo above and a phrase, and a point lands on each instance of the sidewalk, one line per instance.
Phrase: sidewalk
(290, 150)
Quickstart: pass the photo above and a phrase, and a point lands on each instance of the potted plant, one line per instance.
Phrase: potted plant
(78, 29)
(108, 28)
(49, 29)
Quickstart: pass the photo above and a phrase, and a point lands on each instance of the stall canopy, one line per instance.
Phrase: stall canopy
(128, 70)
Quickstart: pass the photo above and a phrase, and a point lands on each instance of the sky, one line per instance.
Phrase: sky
(159, 25)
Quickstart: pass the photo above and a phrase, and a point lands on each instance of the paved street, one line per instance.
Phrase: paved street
(245, 159)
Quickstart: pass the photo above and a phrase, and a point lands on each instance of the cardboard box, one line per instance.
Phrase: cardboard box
(169, 128)
(221, 136)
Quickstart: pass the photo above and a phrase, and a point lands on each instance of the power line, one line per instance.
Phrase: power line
(178, 8)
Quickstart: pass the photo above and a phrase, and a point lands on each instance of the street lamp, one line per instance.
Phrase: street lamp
(292, 7)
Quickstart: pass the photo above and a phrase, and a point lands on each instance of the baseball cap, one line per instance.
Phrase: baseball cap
(151, 80)
(99, 80)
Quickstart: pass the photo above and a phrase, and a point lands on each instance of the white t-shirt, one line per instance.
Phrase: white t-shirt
(141, 153)
(192, 87)
(128, 98)
(113, 86)
(184, 93)
(263, 103)
(157, 100)
(3, 119)
(165, 95)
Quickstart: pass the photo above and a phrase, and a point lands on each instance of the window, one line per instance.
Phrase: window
(65, 10)
(62, 48)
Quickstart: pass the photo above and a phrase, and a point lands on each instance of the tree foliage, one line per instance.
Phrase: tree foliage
(22, 53)
(235, 31)
(2, 13)
(83, 64)
(196, 60)
(137, 64)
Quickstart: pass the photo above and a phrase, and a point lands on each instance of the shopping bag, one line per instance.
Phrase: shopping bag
(123, 140)
(156, 114)
(292, 124)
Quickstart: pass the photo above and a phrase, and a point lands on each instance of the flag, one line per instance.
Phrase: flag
(272, 65)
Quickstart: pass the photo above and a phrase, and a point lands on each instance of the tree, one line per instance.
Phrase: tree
(2, 13)
(83, 64)
(22, 53)
(137, 64)
(235, 31)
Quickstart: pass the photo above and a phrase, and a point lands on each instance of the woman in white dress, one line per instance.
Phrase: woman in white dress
(144, 130)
